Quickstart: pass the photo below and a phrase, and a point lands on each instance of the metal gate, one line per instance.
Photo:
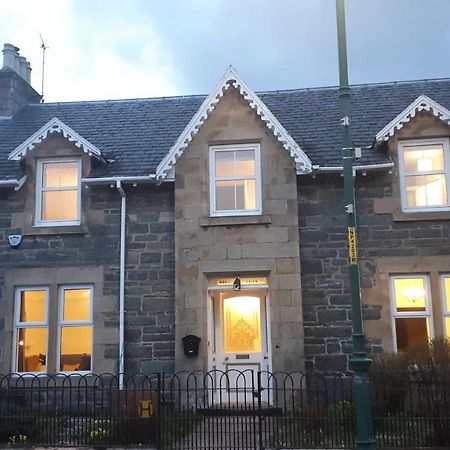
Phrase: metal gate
(255, 410)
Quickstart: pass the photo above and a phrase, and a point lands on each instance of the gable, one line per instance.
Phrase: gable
(232, 79)
(422, 103)
(55, 126)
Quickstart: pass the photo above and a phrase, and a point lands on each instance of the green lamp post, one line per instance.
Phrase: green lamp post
(359, 362)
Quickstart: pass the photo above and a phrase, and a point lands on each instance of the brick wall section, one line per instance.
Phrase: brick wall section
(403, 245)
(150, 268)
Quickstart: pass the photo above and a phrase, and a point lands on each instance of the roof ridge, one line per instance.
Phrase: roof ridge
(275, 91)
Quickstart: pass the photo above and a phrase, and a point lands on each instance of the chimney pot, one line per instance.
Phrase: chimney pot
(10, 57)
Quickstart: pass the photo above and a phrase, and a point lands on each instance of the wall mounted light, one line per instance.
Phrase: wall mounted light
(237, 284)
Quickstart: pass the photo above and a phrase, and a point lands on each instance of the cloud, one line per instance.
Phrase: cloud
(90, 56)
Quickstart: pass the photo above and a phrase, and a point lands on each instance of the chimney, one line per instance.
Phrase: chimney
(15, 88)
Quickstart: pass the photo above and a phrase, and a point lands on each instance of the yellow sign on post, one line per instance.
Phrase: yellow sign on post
(146, 409)
(352, 249)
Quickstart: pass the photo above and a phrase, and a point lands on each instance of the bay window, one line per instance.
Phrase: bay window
(235, 180)
(58, 192)
(424, 175)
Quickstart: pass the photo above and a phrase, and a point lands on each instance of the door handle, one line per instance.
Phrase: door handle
(226, 358)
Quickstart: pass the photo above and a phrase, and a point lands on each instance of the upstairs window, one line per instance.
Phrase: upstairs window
(235, 180)
(424, 169)
(58, 194)
(411, 311)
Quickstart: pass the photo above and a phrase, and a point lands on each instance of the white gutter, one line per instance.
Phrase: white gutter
(361, 168)
(108, 180)
(16, 184)
(123, 215)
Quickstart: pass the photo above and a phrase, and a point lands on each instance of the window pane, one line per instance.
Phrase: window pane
(76, 348)
(426, 190)
(410, 294)
(60, 174)
(411, 332)
(245, 194)
(31, 349)
(225, 198)
(77, 304)
(225, 166)
(424, 159)
(245, 162)
(32, 306)
(60, 205)
(447, 327)
(447, 292)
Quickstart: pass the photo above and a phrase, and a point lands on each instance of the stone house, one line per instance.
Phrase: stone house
(128, 225)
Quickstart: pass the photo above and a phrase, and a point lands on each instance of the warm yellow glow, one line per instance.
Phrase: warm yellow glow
(31, 349)
(410, 294)
(77, 304)
(447, 292)
(426, 190)
(60, 174)
(76, 348)
(60, 205)
(447, 327)
(33, 306)
(242, 324)
(423, 158)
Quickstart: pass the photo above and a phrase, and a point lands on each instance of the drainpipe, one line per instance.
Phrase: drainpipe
(123, 214)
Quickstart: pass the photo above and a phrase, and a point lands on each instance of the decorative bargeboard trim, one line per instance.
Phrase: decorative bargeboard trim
(422, 103)
(231, 78)
(55, 126)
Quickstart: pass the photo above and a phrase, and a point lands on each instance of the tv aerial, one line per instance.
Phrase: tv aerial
(44, 48)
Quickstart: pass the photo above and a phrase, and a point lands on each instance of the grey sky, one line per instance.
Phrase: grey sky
(139, 48)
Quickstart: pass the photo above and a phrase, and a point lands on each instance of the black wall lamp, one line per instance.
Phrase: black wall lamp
(237, 284)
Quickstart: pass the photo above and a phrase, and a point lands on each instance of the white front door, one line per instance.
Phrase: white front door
(239, 338)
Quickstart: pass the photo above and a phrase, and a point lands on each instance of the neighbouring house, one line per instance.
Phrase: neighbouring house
(201, 232)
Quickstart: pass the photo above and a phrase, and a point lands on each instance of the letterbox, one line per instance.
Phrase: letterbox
(190, 345)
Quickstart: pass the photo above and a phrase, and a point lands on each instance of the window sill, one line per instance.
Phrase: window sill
(236, 220)
(56, 230)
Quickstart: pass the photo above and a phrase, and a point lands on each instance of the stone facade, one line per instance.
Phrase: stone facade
(266, 244)
(90, 254)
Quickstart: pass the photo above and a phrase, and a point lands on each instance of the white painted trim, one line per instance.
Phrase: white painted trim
(445, 311)
(39, 190)
(422, 103)
(446, 171)
(257, 177)
(55, 126)
(108, 180)
(428, 313)
(231, 78)
(73, 323)
(17, 291)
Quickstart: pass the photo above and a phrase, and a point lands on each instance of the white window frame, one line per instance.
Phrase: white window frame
(74, 323)
(212, 180)
(445, 310)
(427, 314)
(445, 171)
(17, 324)
(39, 222)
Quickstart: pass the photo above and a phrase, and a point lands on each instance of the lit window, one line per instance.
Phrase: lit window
(411, 311)
(424, 175)
(58, 192)
(445, 284)
(31, 330)
(235, 180)
(75, 329)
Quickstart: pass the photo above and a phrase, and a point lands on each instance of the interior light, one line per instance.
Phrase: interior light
(414, 293)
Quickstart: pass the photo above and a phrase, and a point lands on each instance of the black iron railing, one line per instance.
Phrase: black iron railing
(218, 410)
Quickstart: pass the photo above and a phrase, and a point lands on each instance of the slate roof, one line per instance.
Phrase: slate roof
(138, 133)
